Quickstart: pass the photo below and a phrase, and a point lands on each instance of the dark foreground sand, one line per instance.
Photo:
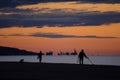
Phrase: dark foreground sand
(50, 71)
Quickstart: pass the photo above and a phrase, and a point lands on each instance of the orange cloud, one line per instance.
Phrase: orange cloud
(72, 7)
(103, 30)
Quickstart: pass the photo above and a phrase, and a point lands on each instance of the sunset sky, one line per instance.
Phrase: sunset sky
(61, 25)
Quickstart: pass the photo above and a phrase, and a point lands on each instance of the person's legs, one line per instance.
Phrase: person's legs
(40, 59)
(80, 60)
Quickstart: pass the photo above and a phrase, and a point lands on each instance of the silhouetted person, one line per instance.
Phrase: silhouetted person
(81, 56)
(40, 56)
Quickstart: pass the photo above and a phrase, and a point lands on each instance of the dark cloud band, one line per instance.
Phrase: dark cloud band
(55, 35)
(100, 1)
(60, 19)
(14, 3)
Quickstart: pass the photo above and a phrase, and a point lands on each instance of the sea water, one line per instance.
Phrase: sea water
(97, 60)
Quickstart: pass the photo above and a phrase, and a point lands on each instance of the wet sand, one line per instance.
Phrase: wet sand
(52, 71)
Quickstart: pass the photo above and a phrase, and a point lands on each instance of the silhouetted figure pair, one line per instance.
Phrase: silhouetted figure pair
(81, 56)
(40, 56)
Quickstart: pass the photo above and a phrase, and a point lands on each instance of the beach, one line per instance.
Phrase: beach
(57, 71)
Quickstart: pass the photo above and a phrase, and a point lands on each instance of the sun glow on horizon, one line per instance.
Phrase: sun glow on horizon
(92, 46)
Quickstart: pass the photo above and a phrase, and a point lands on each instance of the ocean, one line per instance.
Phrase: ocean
(97, 60)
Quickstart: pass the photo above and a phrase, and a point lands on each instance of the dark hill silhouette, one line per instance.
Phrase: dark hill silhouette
(14, 51)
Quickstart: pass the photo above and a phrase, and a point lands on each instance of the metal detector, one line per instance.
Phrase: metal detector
(90, 61)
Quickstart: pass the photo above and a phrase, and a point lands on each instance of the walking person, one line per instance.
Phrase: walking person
(81, 56)
(40, 56)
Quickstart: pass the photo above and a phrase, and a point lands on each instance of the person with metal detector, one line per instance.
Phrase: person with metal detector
(81, 56)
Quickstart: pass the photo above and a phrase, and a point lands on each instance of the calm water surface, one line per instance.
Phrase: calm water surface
(104, 60)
